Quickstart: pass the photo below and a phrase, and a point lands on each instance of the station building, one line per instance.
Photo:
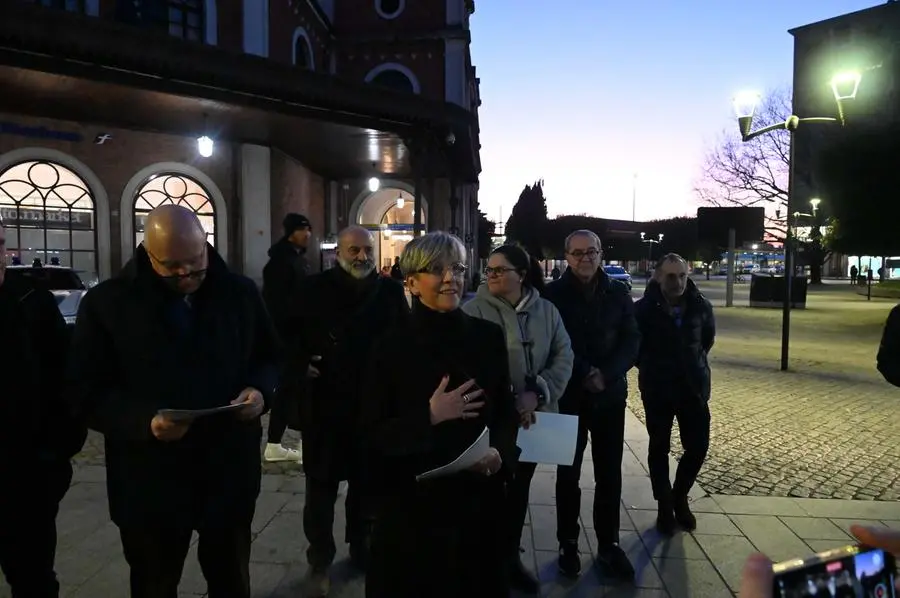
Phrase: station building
(350, 112)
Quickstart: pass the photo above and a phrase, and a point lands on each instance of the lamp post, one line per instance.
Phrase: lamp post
(844, 86)
(650, 243)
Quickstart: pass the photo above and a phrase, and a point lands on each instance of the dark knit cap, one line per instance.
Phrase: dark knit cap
(294, 222)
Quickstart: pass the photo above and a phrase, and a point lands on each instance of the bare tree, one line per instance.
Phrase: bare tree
(752, 174)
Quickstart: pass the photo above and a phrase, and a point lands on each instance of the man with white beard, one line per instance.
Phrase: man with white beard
(338, 316)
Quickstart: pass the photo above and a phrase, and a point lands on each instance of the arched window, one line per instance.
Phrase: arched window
(303, 50)
(48, 212)
(389, 9)
(186, 19)
(395, 77)
(177, 189)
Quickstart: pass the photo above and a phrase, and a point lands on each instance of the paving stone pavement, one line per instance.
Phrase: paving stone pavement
(705, 563)
(828, 428)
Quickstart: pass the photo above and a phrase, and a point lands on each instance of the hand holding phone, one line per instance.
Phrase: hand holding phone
(866, 570)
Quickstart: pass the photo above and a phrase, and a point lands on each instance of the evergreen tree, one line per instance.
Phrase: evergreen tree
(527, 223)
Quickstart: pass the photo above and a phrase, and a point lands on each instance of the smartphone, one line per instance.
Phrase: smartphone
(848, 572)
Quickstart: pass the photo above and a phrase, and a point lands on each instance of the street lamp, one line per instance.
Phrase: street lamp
(844, 86)
(650, 244)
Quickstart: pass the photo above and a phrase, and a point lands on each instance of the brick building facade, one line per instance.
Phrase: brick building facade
(306, 102)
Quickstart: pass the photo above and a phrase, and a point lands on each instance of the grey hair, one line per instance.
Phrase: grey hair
(584, 233)
(427, 251)
(671, 257)
(344, 232)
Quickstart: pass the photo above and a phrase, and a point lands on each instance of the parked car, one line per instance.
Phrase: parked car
(65, 284)
(618, 273)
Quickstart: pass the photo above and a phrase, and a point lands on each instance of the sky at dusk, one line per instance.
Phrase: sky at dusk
(590, 92)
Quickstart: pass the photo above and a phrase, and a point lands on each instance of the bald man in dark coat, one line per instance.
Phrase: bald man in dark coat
(177, 330)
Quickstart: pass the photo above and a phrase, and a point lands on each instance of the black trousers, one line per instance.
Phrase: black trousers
(604, 422)
(693, 418)
(517, 492)
(318, 518)
(28, 509)
(156, 556)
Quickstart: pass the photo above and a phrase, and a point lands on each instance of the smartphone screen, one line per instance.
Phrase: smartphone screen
(850, 572)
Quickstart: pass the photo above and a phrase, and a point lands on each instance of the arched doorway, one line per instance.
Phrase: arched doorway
(49, 214)
(177, 189)
(389, 214)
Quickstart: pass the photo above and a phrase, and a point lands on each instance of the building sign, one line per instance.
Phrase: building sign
(51, 218)
(37, 132)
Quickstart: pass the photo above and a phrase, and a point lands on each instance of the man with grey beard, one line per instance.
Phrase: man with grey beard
(339, 315)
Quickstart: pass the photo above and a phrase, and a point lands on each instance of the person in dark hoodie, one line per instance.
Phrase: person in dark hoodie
(286, 269)
(677, 330)
(40, 435)
(889, 350)
(177, 330)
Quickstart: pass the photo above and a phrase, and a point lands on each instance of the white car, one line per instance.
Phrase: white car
(65, 284)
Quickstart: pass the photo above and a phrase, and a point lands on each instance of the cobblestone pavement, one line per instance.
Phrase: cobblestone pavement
(826, 429)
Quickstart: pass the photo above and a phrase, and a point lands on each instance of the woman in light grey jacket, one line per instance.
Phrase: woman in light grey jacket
(540, 364)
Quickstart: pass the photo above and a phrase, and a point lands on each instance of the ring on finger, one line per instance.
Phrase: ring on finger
(466, 398)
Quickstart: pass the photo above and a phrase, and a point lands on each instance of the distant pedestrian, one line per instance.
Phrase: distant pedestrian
(599, 316)
(282, 276)
(854, 273)
(677, 332)
(39, 437)
(177, 330)
(889, 351)
(396, 272)
(555, 273)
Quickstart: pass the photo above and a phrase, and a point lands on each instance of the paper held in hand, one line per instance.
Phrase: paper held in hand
(191, 414)
(467, 459)
(550, 440)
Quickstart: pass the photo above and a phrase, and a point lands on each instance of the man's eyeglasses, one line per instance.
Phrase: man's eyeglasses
(457, 269)
(497, 271)
(590, 253)
(192, 265)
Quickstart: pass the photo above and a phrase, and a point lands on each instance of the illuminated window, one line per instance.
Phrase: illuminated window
(48, 212)
(177, 189)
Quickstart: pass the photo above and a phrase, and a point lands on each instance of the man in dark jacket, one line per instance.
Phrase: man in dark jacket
(889, 351)
(677, 331)
(286, 269)
(177, 330)
(599, 316)
(343, 311)
(39, 437)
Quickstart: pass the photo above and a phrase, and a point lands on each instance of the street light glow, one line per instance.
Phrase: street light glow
(814, 202)
(374, 184)
(845, 85)
(746, 103)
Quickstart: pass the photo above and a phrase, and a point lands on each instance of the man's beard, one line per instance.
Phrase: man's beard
(356, 269)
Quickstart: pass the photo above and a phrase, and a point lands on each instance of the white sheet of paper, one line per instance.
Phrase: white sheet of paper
(190, 414)
(467, 459)
(551, 440)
